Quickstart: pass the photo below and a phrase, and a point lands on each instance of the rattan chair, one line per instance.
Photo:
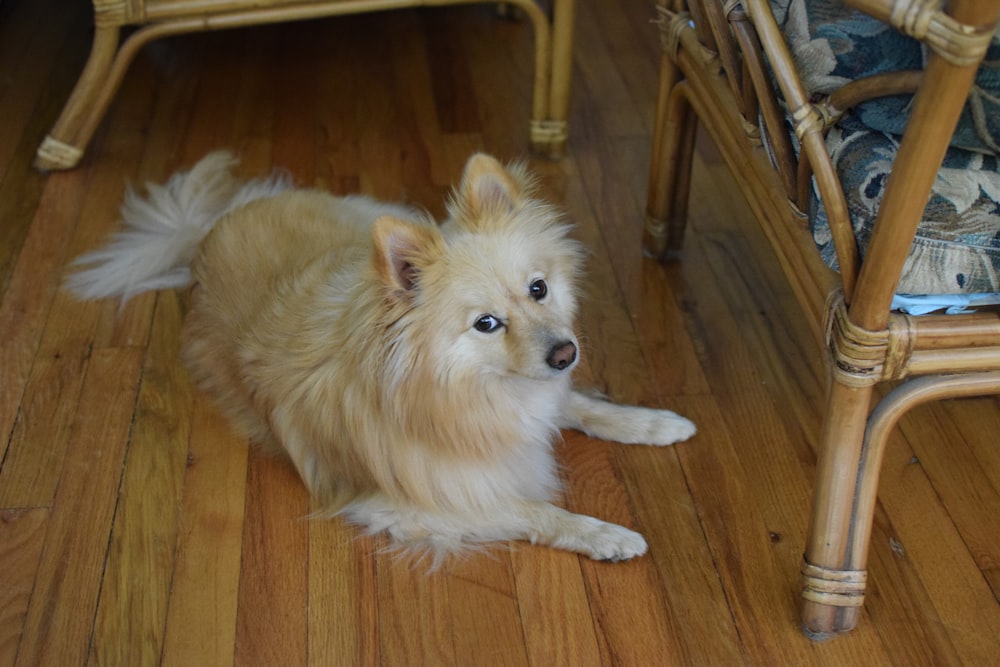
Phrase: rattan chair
(110, 57)
(719, 67)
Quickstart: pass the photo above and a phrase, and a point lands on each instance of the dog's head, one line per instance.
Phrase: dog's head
(493, 290)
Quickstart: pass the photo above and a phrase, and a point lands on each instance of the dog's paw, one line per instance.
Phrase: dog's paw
(627, 424)
(667, 428)
(645, 426)
(605, 541)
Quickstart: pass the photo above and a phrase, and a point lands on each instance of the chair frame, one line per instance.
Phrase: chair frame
(110, 57)
(713, 73)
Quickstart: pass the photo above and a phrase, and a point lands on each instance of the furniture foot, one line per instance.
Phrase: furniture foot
(831, 584)
(54, 154)
(549, 137)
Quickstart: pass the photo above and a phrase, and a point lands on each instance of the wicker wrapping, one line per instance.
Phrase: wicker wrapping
(842, 588)
(958, 43)
(862, 357)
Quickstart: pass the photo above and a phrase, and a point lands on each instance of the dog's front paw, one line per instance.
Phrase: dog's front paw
(645, 426)
(628, 424)
(666, 428)
(606, 541)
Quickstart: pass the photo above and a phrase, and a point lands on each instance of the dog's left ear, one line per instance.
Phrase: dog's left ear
(487, 187)
(401, 248)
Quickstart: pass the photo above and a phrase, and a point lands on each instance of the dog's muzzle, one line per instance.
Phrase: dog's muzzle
(562, 355)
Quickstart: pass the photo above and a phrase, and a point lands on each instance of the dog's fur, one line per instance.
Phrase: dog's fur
(414, 374)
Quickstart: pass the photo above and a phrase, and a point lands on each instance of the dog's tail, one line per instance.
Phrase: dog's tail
(163, 229)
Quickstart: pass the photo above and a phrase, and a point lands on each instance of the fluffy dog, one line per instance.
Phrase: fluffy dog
(415, 374)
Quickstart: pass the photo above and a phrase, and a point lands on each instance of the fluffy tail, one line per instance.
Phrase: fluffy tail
(163, 230)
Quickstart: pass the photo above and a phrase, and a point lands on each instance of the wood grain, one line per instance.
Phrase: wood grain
(201, 610)
(486, 624)
(136, 527)
(70, 572)
(415, 618)
(128, 628)
(343, 609)
(33, 92)
(22, 536)
(25, 307)
(554, 608)
(272, 617)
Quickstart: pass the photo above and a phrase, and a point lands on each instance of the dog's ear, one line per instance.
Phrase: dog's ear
(401, 248)
(487, 187)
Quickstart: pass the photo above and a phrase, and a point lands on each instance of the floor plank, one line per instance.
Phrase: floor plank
(59, 621)
(272, 618)
(201, 611)
(128, 628)
(22, 536)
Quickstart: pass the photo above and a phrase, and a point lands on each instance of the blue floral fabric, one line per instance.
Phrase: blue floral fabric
(957, 249)
(833, 44)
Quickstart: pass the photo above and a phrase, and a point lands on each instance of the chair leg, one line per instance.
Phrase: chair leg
(64, 146)
(549, 124)
(881, 424)
(833, 589)
(674, 129)
(677, 222)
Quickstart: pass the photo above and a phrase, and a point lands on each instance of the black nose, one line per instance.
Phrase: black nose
(562, 355)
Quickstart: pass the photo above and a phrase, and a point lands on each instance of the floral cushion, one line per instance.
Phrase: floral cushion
(833, 44)
(957, 249)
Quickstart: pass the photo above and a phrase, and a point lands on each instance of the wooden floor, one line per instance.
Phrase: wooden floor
(137, 528)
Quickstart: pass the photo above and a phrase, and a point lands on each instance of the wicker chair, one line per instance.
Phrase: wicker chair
(719, 68)
(110, 57)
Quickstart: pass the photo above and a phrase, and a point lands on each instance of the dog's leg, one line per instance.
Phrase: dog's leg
(625, 423)
(537, 522)
(326, 487)
(553, 526)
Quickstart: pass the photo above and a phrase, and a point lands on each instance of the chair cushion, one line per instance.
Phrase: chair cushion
(833, 44)
(957, 248)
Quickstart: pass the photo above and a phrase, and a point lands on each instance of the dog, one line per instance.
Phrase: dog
(415, 374)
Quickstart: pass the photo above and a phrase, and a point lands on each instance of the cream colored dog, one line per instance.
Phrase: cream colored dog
(416, 375)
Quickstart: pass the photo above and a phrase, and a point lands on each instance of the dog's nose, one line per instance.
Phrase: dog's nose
(562, 355)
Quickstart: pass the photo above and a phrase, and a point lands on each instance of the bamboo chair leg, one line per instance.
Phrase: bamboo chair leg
(669, 76)
(670, 167)
(64, 146)
(883, 420)
(830, 584)
(554, 65)
(682, 187)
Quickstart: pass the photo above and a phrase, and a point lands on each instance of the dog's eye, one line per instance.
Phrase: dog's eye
(538, 289)
(487, 324)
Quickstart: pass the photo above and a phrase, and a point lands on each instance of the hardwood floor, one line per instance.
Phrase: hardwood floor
(136, 527)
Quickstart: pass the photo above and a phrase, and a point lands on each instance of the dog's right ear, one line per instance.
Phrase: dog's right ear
(487, 187)
(402, 249)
